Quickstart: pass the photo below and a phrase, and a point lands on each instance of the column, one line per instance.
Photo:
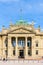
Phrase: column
(16, 48)
(9, 41)
(26, 50)
(9, 48)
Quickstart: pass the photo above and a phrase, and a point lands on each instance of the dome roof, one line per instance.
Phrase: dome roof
(21, 22)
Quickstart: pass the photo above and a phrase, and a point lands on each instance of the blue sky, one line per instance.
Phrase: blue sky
(32, 10)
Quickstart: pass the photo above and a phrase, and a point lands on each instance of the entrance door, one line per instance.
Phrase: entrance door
(21, 54)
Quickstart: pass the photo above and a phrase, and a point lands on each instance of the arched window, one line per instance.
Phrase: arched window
(28, 43)
(21, 43)
(13, 42)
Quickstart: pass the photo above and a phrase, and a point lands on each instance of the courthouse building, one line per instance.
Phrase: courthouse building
(21, 41)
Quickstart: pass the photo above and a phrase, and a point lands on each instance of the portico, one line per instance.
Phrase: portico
(21, 45)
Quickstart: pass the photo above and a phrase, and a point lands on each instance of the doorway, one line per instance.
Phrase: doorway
(21, 53)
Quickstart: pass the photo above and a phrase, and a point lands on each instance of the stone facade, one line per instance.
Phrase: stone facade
(21, 41)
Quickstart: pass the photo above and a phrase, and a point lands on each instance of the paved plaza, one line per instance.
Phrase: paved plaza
(20, 62)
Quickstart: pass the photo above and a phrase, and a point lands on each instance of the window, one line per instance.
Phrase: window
(13, 52)
(36, 44)
(6, 52)
(13, 40)
(6, 43)
(14, 43)
(36, 52)
(21, 43)
(29, 52)
(28, 43)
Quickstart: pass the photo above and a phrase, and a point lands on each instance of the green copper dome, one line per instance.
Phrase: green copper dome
(21, 22)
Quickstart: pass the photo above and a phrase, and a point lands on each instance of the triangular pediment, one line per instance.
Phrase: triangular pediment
(22, 30)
